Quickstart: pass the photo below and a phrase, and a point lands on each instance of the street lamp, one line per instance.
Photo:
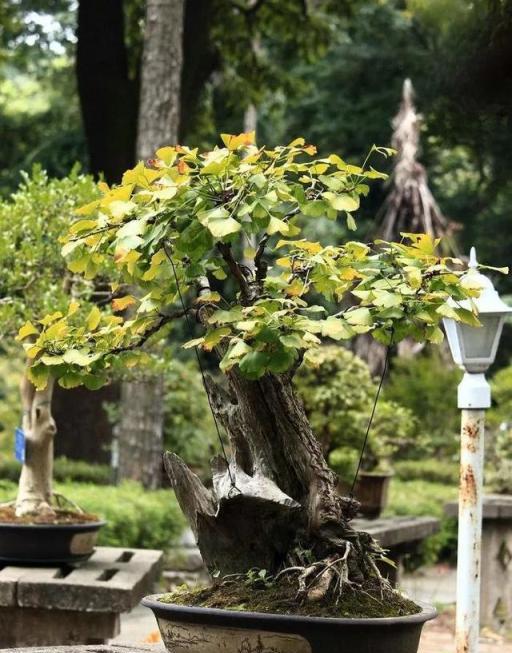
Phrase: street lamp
(474, 350)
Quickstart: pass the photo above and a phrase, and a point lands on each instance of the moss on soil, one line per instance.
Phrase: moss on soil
(8, 516)
(280, 598)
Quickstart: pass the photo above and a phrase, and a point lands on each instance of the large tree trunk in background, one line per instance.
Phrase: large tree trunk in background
(200, 59)
(108, 96)
(35, 488)
(140, 432)
(85, 430)
(278, 495)
(159, 105)
(140, 428)
(108, 101)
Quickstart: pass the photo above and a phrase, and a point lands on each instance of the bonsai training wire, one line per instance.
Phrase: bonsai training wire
(201, 369)
(372, 414)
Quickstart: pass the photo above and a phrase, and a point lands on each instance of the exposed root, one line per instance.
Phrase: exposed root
(64, 503)
(383, 582)
(333, 576)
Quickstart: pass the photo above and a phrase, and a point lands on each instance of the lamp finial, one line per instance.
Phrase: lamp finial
(473, 263)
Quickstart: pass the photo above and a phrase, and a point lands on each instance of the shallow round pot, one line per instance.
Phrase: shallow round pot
(47, 544)
(206, 630)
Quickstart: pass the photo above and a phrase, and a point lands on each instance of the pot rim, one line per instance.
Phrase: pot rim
(79, 526)
(151, 601)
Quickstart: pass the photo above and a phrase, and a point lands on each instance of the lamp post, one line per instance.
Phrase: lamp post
(474, 350)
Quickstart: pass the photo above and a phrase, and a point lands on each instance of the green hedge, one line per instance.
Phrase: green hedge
(135, 517)
(434, 471)
(65, 471)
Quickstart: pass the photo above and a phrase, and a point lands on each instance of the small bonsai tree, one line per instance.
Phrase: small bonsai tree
(34, 280)
(177, 228)
(338, 396)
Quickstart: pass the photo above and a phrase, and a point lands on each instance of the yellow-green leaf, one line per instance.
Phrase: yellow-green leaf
(93, 319)
(28, 329)
(343, 201)
(121, 303)
(275, 225)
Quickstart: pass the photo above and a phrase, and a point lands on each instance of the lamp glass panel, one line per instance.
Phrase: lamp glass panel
(477, 342)
(452, 334)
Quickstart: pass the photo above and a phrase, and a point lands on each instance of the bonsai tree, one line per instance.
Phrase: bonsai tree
(34, 280)
(338, 396)
(177, 228)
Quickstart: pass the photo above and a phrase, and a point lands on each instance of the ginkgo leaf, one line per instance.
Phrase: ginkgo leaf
(240, 348)
(336, 329)
(131, 228)
(167, 155)
(121, 303)
(28, 329)
(223, 227)
(78, 357)
(343, 201)
(359, 316)
(82, 225)
(235, 142)
(275, 225)
(93, 319)
(206, 297)
(88, 209)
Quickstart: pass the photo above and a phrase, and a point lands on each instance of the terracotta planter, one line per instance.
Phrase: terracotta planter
(47, 544)
(205, 630)
(372, 491)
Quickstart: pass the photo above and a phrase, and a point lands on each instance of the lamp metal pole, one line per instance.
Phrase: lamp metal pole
(474, 396)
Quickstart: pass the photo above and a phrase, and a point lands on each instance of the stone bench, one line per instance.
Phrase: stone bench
(496, 565)
(74, 605)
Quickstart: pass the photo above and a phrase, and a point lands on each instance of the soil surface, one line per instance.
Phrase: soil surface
(8, 516)
(281, 598)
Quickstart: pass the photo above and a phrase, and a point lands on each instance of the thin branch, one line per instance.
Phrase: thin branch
(234, 267)
(259, 264)
(162, 320)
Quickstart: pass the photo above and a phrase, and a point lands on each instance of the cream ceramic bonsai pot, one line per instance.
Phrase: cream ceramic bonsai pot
(206, 630)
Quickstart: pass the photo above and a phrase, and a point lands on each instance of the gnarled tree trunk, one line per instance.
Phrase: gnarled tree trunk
(277, 499)
(35, 485)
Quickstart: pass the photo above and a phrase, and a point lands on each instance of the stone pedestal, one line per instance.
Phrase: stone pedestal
(67, 605)
(496, 567)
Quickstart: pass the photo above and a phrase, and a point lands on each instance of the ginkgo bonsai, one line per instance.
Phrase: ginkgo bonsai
(34, 280)
(179, 229)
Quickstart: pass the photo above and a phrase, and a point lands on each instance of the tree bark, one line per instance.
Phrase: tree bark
(140, 428)
(140, 431)
(159, 106)
(35, 488)
(277, 494)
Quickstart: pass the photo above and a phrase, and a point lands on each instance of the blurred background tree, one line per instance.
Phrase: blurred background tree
(330, 70)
